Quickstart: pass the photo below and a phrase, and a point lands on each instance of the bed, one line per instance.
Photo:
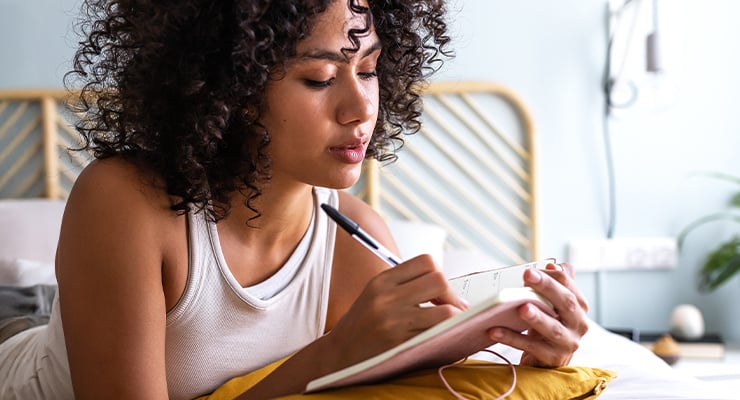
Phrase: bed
(478, 138)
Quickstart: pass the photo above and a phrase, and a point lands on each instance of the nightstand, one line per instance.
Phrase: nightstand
(724, 372)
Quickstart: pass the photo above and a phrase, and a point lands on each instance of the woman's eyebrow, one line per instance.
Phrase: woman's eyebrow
(334, 56)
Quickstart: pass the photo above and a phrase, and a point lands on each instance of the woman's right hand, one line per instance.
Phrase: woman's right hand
(389, 312)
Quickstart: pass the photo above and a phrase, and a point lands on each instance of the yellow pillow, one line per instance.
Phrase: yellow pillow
(487, 382)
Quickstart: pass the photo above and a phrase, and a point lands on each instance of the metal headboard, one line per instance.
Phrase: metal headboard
(471, 169)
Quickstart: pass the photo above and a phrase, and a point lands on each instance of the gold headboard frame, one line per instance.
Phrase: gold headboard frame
(471, 169)
(35, 133)
(463, 148)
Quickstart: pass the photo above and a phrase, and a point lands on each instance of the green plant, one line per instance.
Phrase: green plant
(723, 262)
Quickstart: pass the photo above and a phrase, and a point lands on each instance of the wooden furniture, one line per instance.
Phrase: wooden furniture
(471, 169)
(35, 133)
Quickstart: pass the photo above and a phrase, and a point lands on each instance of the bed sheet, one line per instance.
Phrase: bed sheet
(640, 374)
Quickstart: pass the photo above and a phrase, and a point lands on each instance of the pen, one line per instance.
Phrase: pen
(361, 236)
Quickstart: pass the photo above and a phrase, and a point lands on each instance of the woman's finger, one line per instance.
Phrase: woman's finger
(569, 303)
(419, 280)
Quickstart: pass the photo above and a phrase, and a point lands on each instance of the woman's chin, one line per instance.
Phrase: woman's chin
(343, 182)
(342, 186)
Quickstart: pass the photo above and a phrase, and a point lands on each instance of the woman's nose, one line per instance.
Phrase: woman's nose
(357, 102)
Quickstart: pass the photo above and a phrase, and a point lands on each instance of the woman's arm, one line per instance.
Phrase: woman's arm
(109, 269)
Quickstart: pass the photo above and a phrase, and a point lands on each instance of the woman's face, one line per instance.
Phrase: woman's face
(322, 112)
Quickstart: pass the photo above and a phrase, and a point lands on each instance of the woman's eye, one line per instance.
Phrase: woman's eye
(368, 75)
(319, 84)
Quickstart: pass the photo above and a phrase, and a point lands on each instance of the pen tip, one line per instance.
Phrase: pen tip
(339, 218)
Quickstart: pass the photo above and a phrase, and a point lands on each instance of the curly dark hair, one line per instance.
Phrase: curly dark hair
(177, 86)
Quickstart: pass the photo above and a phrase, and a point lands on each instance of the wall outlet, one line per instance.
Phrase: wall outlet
(623, 253)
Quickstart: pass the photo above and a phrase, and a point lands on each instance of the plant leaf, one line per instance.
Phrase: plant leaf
(735, 202)
(731, 268)
(703, 220)
(721, 265)
(723, 176)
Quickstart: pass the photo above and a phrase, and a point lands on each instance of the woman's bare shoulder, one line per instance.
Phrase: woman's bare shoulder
(114, 201)
(117, 184)
(367, 217)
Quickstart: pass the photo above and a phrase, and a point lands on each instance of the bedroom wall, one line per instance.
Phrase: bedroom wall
(36, 43)
(552, 53)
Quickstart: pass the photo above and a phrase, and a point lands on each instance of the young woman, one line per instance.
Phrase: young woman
(194, 250)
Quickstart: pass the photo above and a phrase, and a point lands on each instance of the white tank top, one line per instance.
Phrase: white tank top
(216, 331)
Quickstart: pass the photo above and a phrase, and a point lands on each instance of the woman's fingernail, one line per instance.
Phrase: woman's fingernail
(463, 302)
(497, 333)
(528, 311)
(535, 276)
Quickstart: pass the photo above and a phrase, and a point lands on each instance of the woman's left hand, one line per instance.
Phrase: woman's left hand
(549, 341)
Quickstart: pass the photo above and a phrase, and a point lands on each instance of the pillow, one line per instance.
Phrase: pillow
(415, 238)
(29, 228)
(458, 262)
(23, 273)
(486, 381)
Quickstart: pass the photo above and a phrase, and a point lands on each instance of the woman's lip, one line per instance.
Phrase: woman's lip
(356, 142)
(351, 154)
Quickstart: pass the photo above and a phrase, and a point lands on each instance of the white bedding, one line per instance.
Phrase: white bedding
(640, 374)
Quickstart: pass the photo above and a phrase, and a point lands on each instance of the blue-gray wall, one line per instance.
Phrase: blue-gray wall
(552, 53)
(36, 42)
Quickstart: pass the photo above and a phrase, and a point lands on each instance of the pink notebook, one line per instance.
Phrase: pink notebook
(452, 339)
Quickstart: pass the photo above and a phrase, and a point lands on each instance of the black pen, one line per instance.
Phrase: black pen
(361, 236)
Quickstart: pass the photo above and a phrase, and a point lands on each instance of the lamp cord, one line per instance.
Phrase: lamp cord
(609, 104)
(607, 86)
